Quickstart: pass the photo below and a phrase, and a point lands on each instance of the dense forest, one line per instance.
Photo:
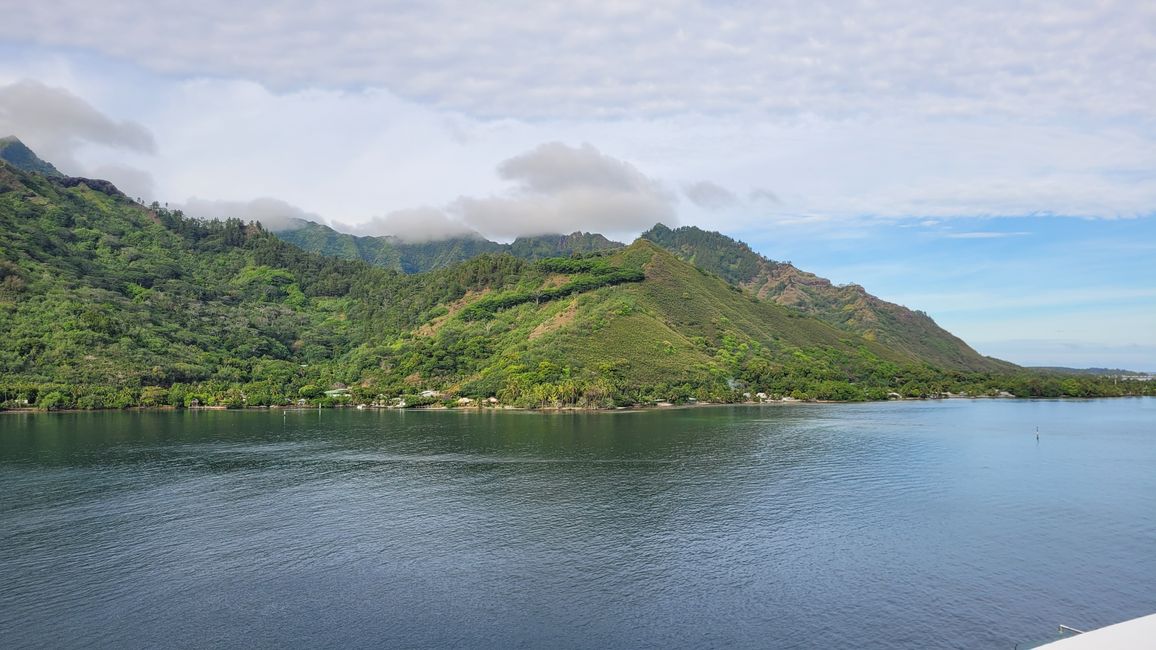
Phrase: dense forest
(417, 257)
(105, 303)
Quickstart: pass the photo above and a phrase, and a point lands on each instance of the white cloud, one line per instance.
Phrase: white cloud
(55, 122)
(948, 168)
(985, 234)
(274, 214)
(414, 225)
(560, 189)
(355, 155)
(763, 194)
(554, 167)
(709, 196)
(134, 182)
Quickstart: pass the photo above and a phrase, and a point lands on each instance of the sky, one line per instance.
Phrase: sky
(990, 163)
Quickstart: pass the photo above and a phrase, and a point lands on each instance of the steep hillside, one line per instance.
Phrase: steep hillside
(848, 307)
(408, 257)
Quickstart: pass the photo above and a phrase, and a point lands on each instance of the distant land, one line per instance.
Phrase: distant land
(1105, 372)
(107, 303)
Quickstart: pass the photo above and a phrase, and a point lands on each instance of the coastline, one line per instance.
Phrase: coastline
(558, 409)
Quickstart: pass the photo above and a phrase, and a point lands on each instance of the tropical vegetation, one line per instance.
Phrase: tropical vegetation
(106, 303)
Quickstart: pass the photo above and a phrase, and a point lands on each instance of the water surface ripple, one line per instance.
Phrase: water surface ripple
(899, 525)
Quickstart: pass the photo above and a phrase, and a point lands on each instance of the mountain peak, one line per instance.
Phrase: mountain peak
(17, 154)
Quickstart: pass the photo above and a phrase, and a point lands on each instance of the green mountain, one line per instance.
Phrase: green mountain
(407, 257)
(386, 252)
(99, 294)
(847, 307)
(15, 153)
(107, 303)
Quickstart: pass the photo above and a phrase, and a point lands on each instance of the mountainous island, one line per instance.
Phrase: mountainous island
(107, 303)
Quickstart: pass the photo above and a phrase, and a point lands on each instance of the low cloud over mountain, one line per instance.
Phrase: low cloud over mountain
(560, 188)
(414, 226)
(274, 214)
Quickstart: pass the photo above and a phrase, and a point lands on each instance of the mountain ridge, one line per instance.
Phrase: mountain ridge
(849, 307)
(16, 153)
(391, 251)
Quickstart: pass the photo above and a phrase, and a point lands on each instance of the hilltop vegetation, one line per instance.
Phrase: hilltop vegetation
(417, 257)
(105, 303)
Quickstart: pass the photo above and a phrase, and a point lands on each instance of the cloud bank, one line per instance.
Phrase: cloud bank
(568, 59)
(354, 155)
(556, 188)
(560, 189)
(413, 225)
(274, 214)
(134, 182)
(710, 196)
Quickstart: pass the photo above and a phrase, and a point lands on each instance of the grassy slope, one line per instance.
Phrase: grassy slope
(848, 307)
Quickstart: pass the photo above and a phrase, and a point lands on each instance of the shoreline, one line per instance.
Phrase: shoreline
(547, 410)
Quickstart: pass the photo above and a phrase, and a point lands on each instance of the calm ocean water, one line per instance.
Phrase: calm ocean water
(897, 525)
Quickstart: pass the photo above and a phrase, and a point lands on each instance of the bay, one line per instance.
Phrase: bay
(894, 525)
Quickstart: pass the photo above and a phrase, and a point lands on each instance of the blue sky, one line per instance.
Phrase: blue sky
(991, 163)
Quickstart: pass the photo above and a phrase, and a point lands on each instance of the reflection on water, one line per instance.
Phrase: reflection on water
(882, 525)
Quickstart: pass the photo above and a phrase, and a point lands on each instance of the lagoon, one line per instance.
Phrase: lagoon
(940, 524)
